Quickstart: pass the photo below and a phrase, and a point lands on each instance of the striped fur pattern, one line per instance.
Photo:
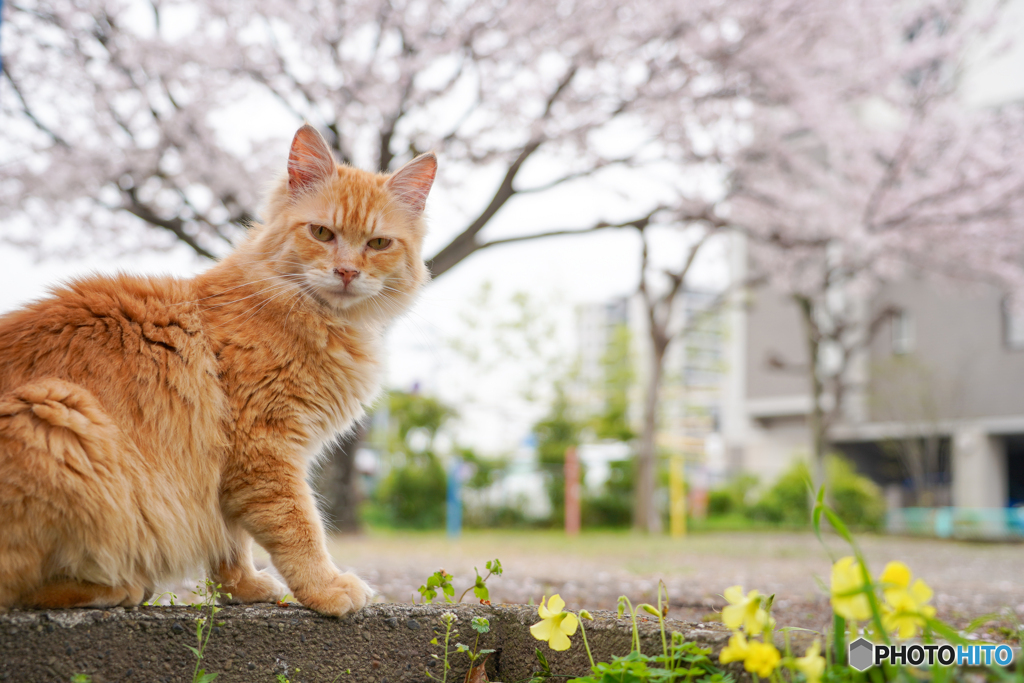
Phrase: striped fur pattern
(152, 428)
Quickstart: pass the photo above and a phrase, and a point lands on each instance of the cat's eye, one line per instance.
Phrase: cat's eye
(321, 233)
(379, 243)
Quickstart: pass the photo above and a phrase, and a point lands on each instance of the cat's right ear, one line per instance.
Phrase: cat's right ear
(310, 161)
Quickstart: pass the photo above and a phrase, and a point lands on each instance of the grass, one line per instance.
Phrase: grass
(597, 544)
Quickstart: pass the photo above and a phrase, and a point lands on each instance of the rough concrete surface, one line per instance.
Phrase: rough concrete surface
(384, 643)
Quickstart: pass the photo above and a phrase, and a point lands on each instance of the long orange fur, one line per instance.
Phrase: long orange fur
(153, 427)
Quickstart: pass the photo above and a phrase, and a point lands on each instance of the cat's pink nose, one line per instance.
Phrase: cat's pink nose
(347, 276)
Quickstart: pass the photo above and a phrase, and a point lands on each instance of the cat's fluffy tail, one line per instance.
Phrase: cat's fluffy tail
(62, 481)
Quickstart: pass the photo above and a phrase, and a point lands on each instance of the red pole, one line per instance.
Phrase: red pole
(572, 492)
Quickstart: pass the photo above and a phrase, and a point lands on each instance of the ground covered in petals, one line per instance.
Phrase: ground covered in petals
(592, 570)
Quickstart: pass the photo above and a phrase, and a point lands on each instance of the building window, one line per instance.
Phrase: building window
(902, 333)
(1013, 325)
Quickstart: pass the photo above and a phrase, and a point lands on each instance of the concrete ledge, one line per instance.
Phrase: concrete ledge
(384, 643)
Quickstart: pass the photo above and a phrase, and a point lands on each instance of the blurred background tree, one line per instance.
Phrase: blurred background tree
(556, 433)
(413, 490)
(619, 375)
(866, 164)
(834, 136)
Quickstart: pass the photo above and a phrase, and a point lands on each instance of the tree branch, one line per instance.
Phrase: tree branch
(28, 111)
(466, 243)
(638, 223)
(174, 225)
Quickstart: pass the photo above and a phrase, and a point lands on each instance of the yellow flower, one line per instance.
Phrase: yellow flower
(812, 664)
(894, 578)
(905, 608)
(555, 625)
(848, 599)
(762, 658)
(745, 611)
(736, 650)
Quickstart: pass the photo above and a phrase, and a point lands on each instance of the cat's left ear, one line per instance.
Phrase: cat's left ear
(411, 183)
(310, 160)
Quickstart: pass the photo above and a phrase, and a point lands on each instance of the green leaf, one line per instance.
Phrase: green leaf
(819, 505)
(480, 624)
(194, 651)
(946, 631)
(838, 525)
(979, 621)
(545, 667)
(839, 639)
(205, 677)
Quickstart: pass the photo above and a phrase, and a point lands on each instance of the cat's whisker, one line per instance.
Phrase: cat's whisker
(291, 308)
(262, 291)
(278, 291)
(428, 334)
(267, 303)
(244, 284)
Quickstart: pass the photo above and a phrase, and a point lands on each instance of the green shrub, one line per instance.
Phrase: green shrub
(613, 505)
(786, 502)
(855, 498)
(498, 516)
(732, 498)
(720, 503)
(607, 510)
(413, 493)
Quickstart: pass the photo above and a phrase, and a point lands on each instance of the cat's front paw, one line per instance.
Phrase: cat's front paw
(255, 587)
(345, 593)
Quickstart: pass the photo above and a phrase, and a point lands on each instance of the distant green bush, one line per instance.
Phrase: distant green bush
(786, 502)
(414, 490)
(413, 494)
(613, 505)
(732, 497)
(506, 516)
(856, 498)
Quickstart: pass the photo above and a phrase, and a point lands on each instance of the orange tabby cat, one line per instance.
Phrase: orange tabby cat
(152, 427)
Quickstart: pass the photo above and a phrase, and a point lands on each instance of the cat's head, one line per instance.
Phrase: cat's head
(352, 240)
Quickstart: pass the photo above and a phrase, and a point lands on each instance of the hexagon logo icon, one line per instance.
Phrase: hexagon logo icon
(861, 654)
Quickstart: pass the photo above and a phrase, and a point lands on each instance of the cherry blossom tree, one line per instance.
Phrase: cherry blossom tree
(662, 292)
(832, 133)
(116, 110)
(866, 165)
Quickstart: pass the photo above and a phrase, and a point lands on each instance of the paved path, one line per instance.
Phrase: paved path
(591, 571)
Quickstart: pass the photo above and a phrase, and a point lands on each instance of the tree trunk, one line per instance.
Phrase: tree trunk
(816, 420)
(645, 512)
(338, 483)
